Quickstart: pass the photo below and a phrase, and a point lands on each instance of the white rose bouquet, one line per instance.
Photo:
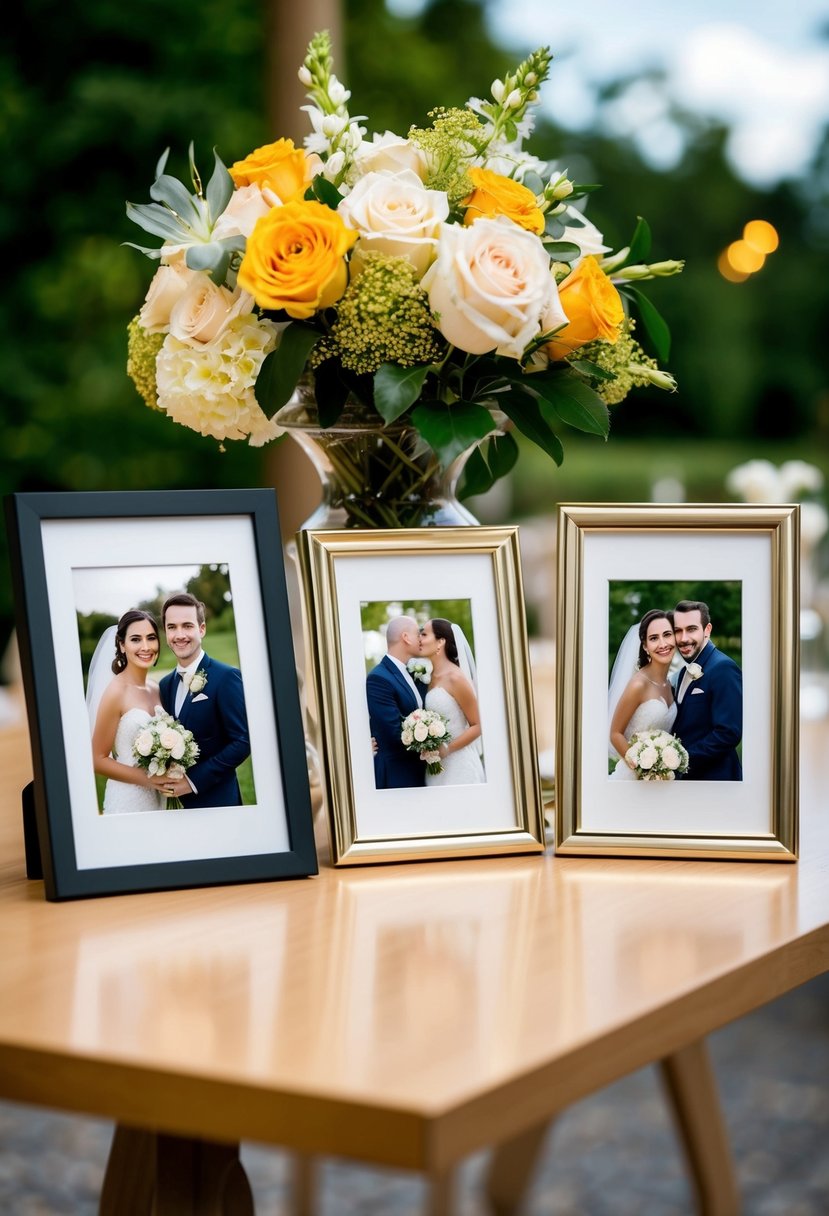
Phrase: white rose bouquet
(420, 669)
(165, 748)
(656, 755)
(446, 279)
(423, 731)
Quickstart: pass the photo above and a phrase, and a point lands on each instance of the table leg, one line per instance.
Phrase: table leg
(511, 1169)
(692, 1093)
(153, 1175)
(304, 1184)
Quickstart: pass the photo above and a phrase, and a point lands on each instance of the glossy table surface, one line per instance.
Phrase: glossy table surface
(405, 1014)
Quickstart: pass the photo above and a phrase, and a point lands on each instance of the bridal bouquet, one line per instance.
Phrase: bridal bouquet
(656, 755)
(165, 748)
(423, 731)
(446, 278)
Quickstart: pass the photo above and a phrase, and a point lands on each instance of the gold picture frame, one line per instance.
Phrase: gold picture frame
(351, 580)
(602, 549)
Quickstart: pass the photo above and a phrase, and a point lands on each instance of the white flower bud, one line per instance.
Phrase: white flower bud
(497, 90)
(305, 76)
(333, 124)
(338, 93)
(514, 100)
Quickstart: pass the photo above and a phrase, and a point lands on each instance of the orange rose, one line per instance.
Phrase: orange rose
(295, 259)
(496, 195)
(593, 308)
(279, 167)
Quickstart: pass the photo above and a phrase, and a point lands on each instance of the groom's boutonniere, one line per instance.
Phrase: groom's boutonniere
(694, 671)
(195, 682)
(421, 669)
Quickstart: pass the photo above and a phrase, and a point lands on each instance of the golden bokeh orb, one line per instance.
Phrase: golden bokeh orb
(761, 235)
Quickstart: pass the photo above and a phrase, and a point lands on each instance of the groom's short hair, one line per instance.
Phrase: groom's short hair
(695, 606)
(183, 599)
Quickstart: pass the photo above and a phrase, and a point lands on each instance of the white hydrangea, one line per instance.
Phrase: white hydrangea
(211, 389)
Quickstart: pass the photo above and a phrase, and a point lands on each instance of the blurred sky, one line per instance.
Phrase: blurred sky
(759, 65)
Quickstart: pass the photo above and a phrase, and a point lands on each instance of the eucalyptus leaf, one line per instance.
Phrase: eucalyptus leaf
(655, 326)
(283, 367)
(396, 388)
(156, 219)
(219, 189)
(533, 182)
(554, 226)
(169, 190)
(211, 257)
(525, 412)
(452, 429)
(576, 403)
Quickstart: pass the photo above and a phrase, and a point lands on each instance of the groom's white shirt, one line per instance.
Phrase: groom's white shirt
(407, 676)
(181, 690)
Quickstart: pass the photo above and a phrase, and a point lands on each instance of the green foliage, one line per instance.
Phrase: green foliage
(374, 616)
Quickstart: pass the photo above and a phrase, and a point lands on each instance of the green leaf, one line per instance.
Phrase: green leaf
(525, 412)
(219, 189)
(396, 388)
(562, 251)
(592, 370)
(324, 191)
(494, 458)
(283, 367)
(554, 226)
(655, 326)
(533, 182)
(451, 429)
(331, 391)
(577, 404)
(212, 257)
(640, 242)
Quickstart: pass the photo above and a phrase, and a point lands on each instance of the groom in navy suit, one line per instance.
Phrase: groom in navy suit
(709, 695)
(392, 694)
(207, 697)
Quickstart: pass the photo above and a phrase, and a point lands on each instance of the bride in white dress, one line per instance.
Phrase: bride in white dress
(121, 700)
(641, 696)
(452, 693)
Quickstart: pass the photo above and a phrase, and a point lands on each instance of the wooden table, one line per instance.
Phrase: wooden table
(404, 1015)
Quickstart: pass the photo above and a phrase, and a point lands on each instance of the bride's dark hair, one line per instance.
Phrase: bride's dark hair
(442, 629)
(647, 620)
(129, 618)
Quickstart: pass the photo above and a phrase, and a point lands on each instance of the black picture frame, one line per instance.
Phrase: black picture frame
(52, 795)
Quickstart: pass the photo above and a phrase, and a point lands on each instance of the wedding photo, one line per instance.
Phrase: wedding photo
(163, 688)
(675, 687)
(422, 693)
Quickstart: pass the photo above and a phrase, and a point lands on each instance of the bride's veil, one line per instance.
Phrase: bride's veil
(100, 673)
(625, 665)
(466, 661)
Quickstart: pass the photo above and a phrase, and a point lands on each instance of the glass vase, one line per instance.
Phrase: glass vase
(373, 475)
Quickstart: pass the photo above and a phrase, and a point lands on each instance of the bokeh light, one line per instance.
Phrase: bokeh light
(727, 270)
(761, 235)
(744, 257)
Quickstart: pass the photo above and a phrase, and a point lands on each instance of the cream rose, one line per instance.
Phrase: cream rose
(204, 310)
(395, 214)
(391, 153)
(168, 739)
(168, 285)
(421, 732)
(407, 737)
(489, 287)
(246, 206)
(144, 743)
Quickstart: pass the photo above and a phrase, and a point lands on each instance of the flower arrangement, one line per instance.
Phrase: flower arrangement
(165, 748)
(446, 278)
(656, 755)
(423, 731)
(420, 669)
